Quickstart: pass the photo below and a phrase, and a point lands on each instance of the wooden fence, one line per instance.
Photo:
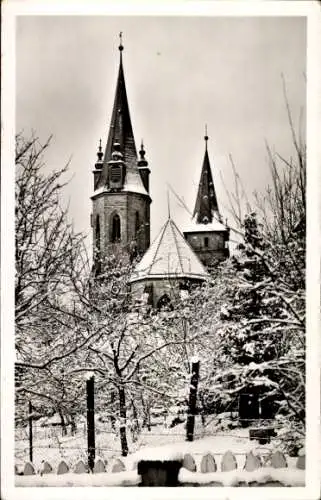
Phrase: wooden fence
(267, 470)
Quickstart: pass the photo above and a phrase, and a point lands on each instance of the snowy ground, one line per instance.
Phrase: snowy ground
(73, 448)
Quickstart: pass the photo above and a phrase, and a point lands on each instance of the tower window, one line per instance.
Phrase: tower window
(206, 242)
(97, 234)
(148, 290)
(137, 224)
(115, 229)
(97, 256)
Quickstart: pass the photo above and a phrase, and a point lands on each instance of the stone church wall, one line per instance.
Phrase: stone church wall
(126, 205)
(209, 247)
(138, 204)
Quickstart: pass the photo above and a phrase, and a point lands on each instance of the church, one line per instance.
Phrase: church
(120, 216)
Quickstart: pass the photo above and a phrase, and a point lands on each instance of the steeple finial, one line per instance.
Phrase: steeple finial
(121, 47)
(142, 151)
(206, 136)
(100, 153)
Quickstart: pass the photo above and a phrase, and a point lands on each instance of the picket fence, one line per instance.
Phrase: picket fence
(162, 473)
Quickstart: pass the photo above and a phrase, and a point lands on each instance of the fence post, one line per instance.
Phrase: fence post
(30, 433)
(192, 401)
(91, 422)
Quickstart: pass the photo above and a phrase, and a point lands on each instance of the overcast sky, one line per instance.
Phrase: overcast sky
(181, 72)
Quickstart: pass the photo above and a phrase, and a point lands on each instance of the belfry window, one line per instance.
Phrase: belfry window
(115, 174)
(115, 229)
(206, 242)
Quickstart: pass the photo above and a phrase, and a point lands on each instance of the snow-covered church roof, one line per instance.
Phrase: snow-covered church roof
(169, 256)
(195, 227)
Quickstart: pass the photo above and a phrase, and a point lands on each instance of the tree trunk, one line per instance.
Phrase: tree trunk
(30, 433)
(149, 422)
(135, 426)
(203, 406)
(146, 409)
(112, 417)
(122, 414)
(63, 423)
(192, 402)
(73, 425)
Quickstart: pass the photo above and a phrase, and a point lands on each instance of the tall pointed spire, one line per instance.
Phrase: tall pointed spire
(206, 206)
(120, 130)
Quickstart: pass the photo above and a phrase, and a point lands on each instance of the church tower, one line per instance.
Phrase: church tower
(121, 202)
(206, 234)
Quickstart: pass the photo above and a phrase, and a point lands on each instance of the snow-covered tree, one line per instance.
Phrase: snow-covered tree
(272, 281)
(260, 293)
(49, 258)
(127, 339)
(69, 320)
(47, 251)
(267, 333)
